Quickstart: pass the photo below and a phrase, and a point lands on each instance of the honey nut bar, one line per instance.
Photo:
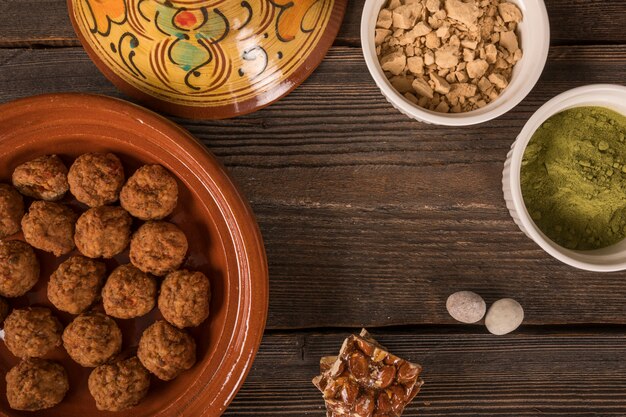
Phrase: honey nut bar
(365, 380)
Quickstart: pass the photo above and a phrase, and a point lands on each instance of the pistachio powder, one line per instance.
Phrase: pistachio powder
(573, 178)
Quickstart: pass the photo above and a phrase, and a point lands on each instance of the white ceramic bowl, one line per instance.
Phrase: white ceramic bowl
(535, 40)
(612, 258)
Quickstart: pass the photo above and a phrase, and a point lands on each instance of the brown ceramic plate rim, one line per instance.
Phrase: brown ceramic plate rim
(305, 69)
(253, 303)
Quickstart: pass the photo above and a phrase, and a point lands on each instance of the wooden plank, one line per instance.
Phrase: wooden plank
(371, 218)
(45, 22)
(524, 374)
(36, 22)
(571, 21)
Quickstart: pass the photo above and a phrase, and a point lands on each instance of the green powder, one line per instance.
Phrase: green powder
(574, 178)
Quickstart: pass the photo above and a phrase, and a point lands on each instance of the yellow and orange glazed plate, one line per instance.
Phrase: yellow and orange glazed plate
(207, 59)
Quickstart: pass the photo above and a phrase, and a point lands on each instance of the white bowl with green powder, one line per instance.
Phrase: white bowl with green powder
(564, 180)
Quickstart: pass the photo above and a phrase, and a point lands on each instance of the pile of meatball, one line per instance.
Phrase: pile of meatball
(80, 285)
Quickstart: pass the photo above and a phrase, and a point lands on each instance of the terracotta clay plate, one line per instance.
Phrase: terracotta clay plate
(224, 243)
(209, 59)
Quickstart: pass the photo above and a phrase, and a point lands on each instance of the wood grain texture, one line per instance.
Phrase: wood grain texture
(36, 22)
(45, 22)
(571, 21)
(525, 374)
(371, 218)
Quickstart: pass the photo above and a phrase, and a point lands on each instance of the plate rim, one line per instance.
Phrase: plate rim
(251, 315)
(304, 71)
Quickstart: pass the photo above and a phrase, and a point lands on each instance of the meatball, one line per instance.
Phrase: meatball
(103, 232)
(151, 193)
(75, 284)
(5, 309)
(19, 268)
(158, 248)
(129, 293)
(44, 178)
(92, 339)
(50, 227)
(184, 298)
(11, 210)
(32, 332)
(36, 384)
(166, 351)
(120, 385)
(96, 178)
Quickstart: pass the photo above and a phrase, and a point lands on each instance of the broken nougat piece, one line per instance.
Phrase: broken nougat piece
(365, 380)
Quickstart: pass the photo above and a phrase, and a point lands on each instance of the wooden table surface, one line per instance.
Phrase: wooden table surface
(372, 219)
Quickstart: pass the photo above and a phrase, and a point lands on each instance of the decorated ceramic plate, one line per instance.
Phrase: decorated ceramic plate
(224, 243)
(210, 59)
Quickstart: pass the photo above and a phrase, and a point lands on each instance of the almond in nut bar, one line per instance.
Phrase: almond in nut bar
(365, 380)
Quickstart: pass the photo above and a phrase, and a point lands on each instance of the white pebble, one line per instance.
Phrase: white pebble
(466, 306)
(504, 316)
